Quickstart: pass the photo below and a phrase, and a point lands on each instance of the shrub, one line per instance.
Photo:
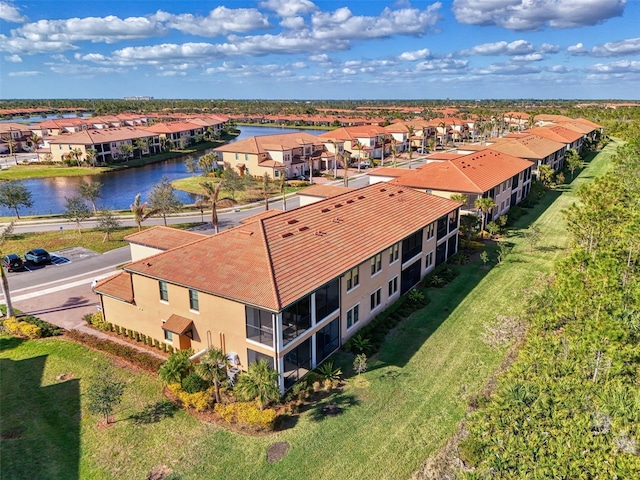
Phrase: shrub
(247, 414)
(22, 329)
(156, 343)
(200, 401)
(327, 372)
(97, 320)
(193, 383)
(143, 360)
(117, 329)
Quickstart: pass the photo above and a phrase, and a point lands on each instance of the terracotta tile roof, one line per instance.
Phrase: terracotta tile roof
(102, 135)
(172, 127)
(177, 324)
(117, 286)
(557, 133)
(389, 172)
(163, 238)
(353, 133)
(268, 262)
(529, 146)
(450, 155)
(265, 143)
(474, 173)
(324, 191)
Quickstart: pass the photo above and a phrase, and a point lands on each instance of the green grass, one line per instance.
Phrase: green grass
(22, 172)
(417, 392)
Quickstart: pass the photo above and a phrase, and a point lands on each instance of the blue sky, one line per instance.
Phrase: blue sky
(304, 49)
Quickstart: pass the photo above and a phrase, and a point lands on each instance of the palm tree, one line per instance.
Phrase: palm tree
(335, 158)
(484, 204)
(175, 368)
(91, 156)
(213, 368)
(356, 143)
(260, 382)
(345, 165)
(459, 197)
(282, 184)
(212, 191)
(139, 211)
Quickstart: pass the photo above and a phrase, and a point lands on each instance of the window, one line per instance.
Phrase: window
(453, 220)
(393, 253)
(429, 260)
(168, 336)
(327, 340)
(430, 230)
(276, 173)
(237, 157)
(353, 278)
(376, 264)
(193, 300)
(253, 357)
(353, 316)
(164, 292)
(393, 286)
(375, 299)
(327, 299)
(259, 325)
(246, 157)
(412, 246)
(442, 227)
(296, 319)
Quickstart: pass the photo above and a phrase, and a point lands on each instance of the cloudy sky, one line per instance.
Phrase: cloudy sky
(304, 49)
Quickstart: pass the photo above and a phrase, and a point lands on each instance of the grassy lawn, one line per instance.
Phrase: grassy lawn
(59, 240)
(251, 194)
(22, 172)
(416, 393)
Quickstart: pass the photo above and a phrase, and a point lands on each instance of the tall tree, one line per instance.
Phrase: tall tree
(572, 160)
(92, 155)
(76, 210)
(410, 134)
(259, 382)
(14, 194)
(163, 199)
(356, 143)
(90, 191)
(232, 182)
(210, 196)
(484, 204)
(107, 223)
(140, 212)
(207, 163)
(213, 368)
(125, 150)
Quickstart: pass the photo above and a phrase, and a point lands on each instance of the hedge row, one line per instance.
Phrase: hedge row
(30, 327)
(143, 360)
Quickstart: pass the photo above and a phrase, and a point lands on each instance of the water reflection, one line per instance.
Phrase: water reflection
(120, 188)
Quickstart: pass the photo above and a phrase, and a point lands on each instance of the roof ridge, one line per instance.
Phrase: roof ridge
(272, 275)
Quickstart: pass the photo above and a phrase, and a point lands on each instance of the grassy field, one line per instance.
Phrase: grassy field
(416, 392)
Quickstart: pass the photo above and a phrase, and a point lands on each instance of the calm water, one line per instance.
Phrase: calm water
(120, 188)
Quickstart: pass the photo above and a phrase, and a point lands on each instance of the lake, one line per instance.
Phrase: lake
(119, 188)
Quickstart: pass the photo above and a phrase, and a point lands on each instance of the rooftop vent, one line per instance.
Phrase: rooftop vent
(303, 228)
(360, 197)
(325, 210)
(292, 221)
(286, 234)
(320, 233)
(337, 205)
(383, 189)
(351, 200)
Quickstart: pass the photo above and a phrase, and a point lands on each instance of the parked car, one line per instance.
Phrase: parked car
(12, 262)
(365, 164)
(37, 256)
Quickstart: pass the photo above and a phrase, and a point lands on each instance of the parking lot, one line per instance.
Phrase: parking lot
(58, 259)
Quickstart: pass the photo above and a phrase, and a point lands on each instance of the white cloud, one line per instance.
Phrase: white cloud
(320, 58)
(289, 8)
(24, 46)
(534, 15)
(549, 48)
(13, 58)
(517, 47)
(621, 66)
(630, 46)
(172, 73)
(532, 57)
(220, 21)
(442, 66)
(32, 73)
(343, 24)
(9, 13)
(293, 23)
(415, 55)
(508, 69)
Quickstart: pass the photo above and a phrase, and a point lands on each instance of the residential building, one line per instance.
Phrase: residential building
(181, 134)
(290, 287)
(288, 154)
(485, 173)
(361, 142)
(532, 147)
(107, 143)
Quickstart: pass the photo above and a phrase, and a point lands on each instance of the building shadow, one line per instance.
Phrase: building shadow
(40, 427)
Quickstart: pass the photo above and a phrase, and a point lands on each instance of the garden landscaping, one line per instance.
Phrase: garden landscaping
(416, 388)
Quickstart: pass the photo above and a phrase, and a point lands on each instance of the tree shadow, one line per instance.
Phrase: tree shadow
(333, 406)
(40, 428)
(7, 343)
(154, 412)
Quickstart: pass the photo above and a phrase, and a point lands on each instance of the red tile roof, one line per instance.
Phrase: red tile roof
(102, 135)
(177, 324)
(163, 238)
(324, 191)
(274, 261)
(117, 286)
(528, 146)
(173, 127)
(474, 173)
(265, 143)
(557, 133)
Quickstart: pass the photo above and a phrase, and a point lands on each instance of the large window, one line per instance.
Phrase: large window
(412, 246)
(259, 325)
(429, 260)
(393, 286)
(253, 357)
(297, 363)
(352, 278)
(375, 299)
(296, 319)
(353, 316)
(194, 304)
(443, 222)
(164, 291)
(168, 336)
(431, 228)
(327, 340)
(453, 220)
(327, 299)
(376, 264)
